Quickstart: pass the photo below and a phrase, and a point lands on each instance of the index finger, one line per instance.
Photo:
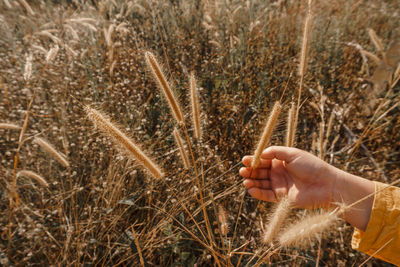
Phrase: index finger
(264, 163)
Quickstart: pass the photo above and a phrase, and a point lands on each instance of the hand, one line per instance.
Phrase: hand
(309, 182)
(303, 177)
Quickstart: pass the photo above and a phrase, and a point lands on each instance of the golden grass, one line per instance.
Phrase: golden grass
(164, 86)
(182, 149)
(34, 176)
(266, 135)
(194, 100)
(48, 148)
(124, 143)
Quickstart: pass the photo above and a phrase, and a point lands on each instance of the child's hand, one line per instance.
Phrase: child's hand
(307, 180)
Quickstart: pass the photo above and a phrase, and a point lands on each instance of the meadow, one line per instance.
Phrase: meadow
(123, 124)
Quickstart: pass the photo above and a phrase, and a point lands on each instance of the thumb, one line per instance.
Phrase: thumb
(287, 154)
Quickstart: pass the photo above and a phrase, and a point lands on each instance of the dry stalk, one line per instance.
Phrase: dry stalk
(275, 223)
(34, 176)
(164, 86)
(266, 135)
(124, 142)
(46, 146)
(195, 107)
(184, 156)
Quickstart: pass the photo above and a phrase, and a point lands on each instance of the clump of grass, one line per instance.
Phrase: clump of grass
(125, 144)
(46, 146)
(301, 233)
(164, 86)
(266, 135)
(182, 150)
(33, 175)
(277, 218)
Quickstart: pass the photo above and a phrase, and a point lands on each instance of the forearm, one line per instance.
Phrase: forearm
(349, 189)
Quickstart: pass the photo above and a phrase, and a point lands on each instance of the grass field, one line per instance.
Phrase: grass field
(72, 192)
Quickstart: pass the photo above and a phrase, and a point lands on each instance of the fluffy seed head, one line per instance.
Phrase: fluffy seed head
(195, 107)
(304, 45)
(223, 220)
(51, 55)
(123, 142)
(266, 135)
(9, 126)
(28, 68)
(164, 86)
(281, 212)
(33, 175)
(301, 233)
(290, 131)
(47, 147)
(179, 141)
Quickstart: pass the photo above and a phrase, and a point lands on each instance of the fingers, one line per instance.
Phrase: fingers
(283, 153)
(262, 194)
(264, 163)
(255, 173)
(262, 184)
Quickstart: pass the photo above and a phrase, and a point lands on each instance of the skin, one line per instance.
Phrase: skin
(309, 183)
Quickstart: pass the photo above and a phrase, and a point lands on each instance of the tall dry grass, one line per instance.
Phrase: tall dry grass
(104, 210)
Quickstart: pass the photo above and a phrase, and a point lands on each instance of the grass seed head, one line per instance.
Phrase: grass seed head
(124, 143)
(266, 135)
(163, 84)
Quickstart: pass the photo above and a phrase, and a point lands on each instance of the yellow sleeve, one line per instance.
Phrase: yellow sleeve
(381, 239)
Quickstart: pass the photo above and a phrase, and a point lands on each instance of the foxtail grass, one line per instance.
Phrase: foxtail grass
(164, 86)
(301, 233)
(266, 135)
(9, 126)
(182, 150)
(277, 218)
(48, 148)
(124, 143)
(223, 220)
(290, 130)
(34, 176)
(303, 62)
(375, 40)
(195, 107)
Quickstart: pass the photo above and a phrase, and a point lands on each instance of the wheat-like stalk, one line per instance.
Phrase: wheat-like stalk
(375, 40)
(28, 68)
(9, 126)
(275, 223)
(223, 220)
(266, 135)
(46, 146)
(163, 84)
(290, 131)
(125, 144)
(27, 7)
(51, 55)
(34, 176)
(195, 107)
(304, 45)
(184, 156)
(300, 233)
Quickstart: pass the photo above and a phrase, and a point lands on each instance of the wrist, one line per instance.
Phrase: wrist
(349, 189)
